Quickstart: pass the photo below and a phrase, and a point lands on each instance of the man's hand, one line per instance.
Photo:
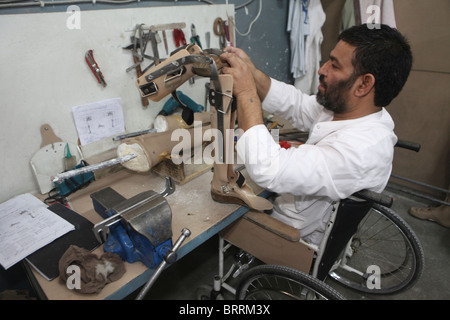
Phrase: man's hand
(245, 91)
(241, 54)
(262, 81)
(242, 76)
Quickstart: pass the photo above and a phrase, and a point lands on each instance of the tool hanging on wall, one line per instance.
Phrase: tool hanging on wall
(154, 42)
(70, 161)
(208, 39)
(137, 59)
(142, 35)
(221, 29)
(178, 36)
(195, 39)
(138, 46)
(89, 57)
(165, 42)
(164, 28)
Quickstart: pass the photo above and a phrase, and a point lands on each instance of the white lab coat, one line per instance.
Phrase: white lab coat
(338, 159)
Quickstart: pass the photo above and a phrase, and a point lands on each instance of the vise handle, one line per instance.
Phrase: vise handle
(170, 258)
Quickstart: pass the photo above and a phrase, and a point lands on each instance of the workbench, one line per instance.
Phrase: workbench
(192, 208)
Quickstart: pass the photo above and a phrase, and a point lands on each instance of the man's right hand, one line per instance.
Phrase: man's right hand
(241, 54)
(243, 79)
(262, 81)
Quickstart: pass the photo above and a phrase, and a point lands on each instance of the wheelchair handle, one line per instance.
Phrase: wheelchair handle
(379, 198)
(408, 145)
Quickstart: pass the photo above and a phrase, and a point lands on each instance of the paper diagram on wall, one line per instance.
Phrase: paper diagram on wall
(99, 120)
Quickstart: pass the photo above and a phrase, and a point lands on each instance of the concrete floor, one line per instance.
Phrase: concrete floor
(181, 280)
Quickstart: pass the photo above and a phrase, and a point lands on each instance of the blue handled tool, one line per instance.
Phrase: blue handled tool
(195, 39)
(171, 104)
(70, 161)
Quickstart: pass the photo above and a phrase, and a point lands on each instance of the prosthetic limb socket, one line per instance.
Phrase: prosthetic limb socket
(150, 149)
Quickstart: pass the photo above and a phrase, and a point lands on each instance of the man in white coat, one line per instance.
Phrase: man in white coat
(351, 137)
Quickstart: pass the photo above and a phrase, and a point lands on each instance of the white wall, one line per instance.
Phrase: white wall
(43, 75)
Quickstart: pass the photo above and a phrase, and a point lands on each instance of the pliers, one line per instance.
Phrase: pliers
(195, 39)
(178, 35)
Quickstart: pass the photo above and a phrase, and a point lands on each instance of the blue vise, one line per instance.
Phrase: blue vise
(137, 229)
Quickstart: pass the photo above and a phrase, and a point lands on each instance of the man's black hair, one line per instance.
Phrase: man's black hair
(383, 52)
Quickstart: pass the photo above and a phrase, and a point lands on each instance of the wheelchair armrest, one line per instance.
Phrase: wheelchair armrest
(273, 225)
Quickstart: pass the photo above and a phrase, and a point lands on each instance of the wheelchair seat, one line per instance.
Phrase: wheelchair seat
(274, 242)
(269, 240)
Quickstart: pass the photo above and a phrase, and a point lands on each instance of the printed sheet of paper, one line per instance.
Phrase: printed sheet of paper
(99, 120)
(26, 225)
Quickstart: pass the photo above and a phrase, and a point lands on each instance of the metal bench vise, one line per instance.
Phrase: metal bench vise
(140, 228)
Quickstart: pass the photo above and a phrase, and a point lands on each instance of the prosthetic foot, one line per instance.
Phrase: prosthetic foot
(227, 185)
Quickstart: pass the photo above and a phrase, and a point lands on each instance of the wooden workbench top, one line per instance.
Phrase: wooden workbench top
(192, 208)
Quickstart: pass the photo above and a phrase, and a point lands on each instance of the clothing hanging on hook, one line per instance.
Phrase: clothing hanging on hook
(305, 25)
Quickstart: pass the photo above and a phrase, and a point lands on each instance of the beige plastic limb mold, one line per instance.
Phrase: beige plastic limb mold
(138, 164)
(157, 88)
(167, 76)
(152, 148)
(175, 121)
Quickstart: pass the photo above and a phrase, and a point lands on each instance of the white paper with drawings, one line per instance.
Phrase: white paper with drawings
(26, 225)
(99, 120)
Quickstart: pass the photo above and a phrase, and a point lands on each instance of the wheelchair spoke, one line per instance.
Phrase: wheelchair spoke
(385, 241)
(268, 282)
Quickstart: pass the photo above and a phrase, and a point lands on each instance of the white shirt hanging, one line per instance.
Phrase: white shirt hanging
(309, 80)
(298, 26)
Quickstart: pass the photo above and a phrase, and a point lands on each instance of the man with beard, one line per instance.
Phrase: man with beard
(351, 137)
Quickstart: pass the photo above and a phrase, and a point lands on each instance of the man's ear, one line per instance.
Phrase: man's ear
(366, 83)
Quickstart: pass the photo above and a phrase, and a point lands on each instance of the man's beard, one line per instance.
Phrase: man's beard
(334, 97)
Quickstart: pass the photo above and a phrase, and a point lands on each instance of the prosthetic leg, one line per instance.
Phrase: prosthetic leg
(227, 185)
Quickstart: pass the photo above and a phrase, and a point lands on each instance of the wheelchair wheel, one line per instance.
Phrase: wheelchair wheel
(271, 282)
(383, 257)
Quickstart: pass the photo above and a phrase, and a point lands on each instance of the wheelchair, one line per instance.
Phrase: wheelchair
(362, 237)
(367, 247)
